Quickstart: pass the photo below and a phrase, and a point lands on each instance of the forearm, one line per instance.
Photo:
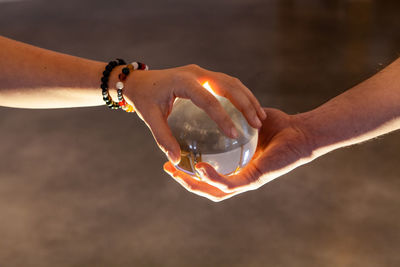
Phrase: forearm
(368, 110)
(33, 77)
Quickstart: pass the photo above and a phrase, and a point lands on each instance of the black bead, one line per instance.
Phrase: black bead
(121, 61)
(113, 63)
(109, 68)
(104, 79)
(106, 73)
(125, 71)
(104, 86)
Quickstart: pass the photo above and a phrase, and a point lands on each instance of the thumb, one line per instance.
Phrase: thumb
(207, 169)
(163, 135)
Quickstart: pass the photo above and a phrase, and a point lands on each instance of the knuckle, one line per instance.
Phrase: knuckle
(236, 80)
(225, 76)
(193, 66)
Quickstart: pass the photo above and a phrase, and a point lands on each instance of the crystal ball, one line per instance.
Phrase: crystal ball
(201, 140)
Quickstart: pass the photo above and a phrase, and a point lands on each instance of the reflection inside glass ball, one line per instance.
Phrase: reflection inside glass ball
(201, 140)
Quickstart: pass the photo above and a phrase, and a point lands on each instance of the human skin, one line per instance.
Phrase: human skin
(368, 110)
(32, 77)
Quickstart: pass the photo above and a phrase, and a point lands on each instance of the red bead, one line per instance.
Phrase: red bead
(122, 103)
(122, 77)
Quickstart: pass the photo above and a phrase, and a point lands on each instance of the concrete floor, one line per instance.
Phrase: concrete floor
(72, 193)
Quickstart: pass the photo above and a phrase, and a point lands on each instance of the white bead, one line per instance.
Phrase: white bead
(119, 85)
(135, 65)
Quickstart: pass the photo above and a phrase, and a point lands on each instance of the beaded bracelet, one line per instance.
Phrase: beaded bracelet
(104, 82)
(120, 85)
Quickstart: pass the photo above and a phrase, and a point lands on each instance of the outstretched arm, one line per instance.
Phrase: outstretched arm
(33, 77)
(368, 110)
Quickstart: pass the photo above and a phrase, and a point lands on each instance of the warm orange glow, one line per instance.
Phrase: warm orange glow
(208, 87)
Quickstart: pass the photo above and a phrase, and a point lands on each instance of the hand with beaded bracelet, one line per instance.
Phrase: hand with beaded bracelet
(33, 77)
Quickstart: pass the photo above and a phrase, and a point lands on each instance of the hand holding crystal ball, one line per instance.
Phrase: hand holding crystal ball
(201, 140)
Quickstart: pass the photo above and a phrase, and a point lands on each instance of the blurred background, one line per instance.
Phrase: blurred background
(74, 192)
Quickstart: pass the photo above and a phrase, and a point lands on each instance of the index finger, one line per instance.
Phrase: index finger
(209, 103)
(241, 96)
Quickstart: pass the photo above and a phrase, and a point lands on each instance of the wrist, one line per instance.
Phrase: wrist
(306, 140)
(118, 86)
(304, 122)
(323, 135)
(136, 80)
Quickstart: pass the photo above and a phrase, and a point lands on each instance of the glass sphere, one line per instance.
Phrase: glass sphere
(201, 140)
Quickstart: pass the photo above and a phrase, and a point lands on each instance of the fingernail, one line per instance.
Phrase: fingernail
(257, 122)
(173, 158)
(234, 133)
